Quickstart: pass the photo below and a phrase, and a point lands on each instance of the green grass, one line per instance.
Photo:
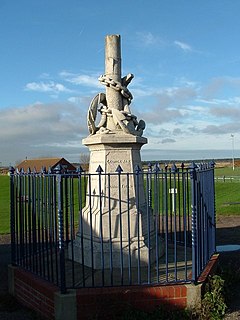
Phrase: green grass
(4, 204)
(227, 198)
(227, 191)
(227, 172)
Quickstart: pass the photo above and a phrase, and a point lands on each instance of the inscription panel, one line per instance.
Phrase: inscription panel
(119, 157)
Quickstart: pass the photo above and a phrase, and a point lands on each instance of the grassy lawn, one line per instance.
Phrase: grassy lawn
(227, 172)
(4, 204)
(227, 191)
(227, 196)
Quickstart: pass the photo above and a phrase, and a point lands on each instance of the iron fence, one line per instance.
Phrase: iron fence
(80, 229)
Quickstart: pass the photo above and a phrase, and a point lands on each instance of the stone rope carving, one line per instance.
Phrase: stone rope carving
(113, 107)
(118, 86)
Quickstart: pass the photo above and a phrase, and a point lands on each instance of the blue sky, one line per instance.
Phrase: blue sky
(184, 55)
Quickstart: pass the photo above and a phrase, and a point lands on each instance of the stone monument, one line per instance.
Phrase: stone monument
(113, 225)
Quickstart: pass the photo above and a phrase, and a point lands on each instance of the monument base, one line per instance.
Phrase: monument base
(116, 209)
(104, 255)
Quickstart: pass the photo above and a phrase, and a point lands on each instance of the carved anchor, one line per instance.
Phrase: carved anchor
(114, 105)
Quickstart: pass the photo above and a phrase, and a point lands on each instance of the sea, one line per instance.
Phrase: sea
(187, 155)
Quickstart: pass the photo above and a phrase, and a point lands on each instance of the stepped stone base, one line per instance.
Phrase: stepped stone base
(117, 254)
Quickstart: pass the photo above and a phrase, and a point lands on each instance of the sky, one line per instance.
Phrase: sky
(184, 54)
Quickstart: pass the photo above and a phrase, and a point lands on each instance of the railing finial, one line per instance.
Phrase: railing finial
(99, 169)
(137, 169)
(80, 169)
(58, 168)
(11, 170)
(119, 169)
(174, 168)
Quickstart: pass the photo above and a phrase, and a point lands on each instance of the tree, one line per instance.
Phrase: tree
(84, 158)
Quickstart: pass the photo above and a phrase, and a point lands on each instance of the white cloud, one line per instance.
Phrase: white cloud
(166, 95)
(160, 115)
(147, 38)
(80, 100)
(226, 128)
(226, 112)
(179, 115)
(168, 140)
(138, 93)
(184, 46)
(219, 86)
(36, 130)
(86, 80)
(50, 87)
(44, 75)
(81, 79)
(75, 100)
(182, 81)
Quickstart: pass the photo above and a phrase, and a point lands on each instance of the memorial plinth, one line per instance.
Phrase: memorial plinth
(115, 224)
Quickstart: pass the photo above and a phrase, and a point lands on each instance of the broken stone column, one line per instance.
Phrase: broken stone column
(115, 222)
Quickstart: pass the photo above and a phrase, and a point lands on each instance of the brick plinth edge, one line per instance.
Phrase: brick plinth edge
(102, 303)
(96, 302)
(32, 292)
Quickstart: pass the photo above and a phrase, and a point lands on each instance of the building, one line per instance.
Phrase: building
(38, 164)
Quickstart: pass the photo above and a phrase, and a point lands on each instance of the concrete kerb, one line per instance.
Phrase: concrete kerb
(65, 305)
(194, 295)
(196, 291)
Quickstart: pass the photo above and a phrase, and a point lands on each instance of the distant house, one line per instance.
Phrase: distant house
(38, 164)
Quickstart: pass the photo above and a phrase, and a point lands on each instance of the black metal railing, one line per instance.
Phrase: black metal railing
(79, 229)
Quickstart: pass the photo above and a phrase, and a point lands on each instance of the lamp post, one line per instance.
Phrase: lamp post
(233, 165)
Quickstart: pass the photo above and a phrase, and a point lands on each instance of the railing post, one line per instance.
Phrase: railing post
(99, 171)
(174, 212)
(194, 221)
(67, 200)
(12, 216)
(80, 208)
(119, 171)
(156, 213)
(58, 170)
(212, 166)
(149, 178)
(137, 172)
